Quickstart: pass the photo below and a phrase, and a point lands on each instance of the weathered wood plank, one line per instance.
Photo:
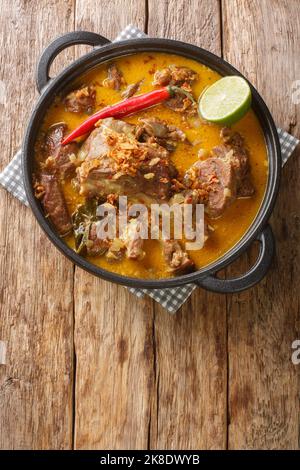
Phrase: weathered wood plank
(114, 377)
(143, 382)
(36, 281)
(261, 38)
(110, 17)
(193, 21)
(113, 329)
(191, 362)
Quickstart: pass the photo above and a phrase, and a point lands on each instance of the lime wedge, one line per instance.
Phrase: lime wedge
(226, 101)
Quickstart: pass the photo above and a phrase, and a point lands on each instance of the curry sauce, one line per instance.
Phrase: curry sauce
(230, 227)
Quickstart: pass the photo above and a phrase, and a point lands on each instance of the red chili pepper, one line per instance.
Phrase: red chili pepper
(123, 108)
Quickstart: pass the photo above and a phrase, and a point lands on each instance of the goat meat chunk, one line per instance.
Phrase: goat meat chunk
(180, 103)
(97, 180)
(224, 176)
(234, 151)
(162, 77)
(59, 159)
(96, 144)
(157, 173)
(131, 90)
(54, 204)
(133, 241)
(100, 177)
(95, 246)
(175, 75)
(82, 100)
(182, 77)
(237, 152)
(176, 257)
(114, 78)
(53, 139)
(115, 162)
(155, 130)
(216, 177)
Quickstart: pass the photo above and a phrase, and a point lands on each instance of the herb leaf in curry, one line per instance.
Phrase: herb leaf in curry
(82, 219)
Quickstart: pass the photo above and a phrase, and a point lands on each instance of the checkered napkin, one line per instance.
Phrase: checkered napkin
(172, 298)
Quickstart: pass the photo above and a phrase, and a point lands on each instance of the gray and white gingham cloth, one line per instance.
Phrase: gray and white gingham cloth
(172, 298)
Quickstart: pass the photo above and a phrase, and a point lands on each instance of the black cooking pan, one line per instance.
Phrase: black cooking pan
(104, 50)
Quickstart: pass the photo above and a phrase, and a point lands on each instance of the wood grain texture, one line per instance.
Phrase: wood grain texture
(194, 21)
(114, 379)
(109, 17)
(191, 367)
(261, 38)
(113, 329)
(191, 357)
(36, 282)
(145, 379)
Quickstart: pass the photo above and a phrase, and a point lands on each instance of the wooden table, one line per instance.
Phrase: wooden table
(89, 366)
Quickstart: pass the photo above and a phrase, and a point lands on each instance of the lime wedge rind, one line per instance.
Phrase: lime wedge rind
(226, 101)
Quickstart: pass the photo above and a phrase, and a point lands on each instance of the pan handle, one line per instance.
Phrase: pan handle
(250, 278)
(58, 45)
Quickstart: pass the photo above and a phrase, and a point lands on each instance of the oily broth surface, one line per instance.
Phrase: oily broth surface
(231, 226)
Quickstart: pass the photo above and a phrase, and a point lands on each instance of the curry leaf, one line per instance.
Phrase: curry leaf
(82, 219)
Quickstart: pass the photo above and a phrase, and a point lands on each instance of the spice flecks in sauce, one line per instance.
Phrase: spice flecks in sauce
(231, 226)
